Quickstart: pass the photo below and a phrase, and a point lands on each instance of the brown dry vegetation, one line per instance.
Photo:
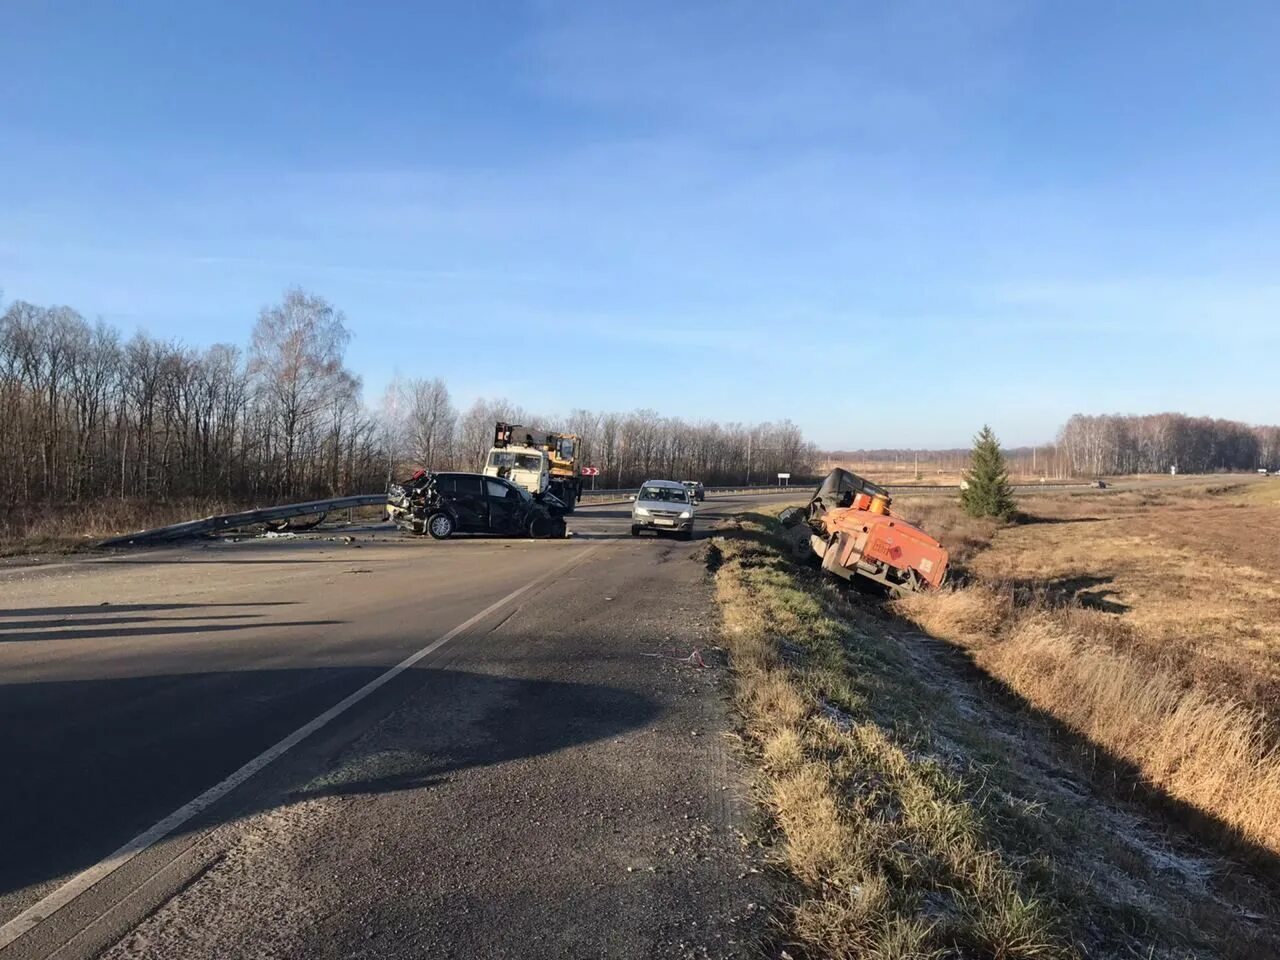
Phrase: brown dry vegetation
(1145, 620)
(64, 528)
(920, 817)
(892, 859)
(75, 527)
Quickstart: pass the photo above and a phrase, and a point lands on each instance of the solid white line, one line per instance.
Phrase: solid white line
(37, 913)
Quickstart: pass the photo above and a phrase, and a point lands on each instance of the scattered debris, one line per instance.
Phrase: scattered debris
(694, 659)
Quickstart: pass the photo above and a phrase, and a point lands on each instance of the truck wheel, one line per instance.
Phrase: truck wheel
(570, 501)
(440, 526)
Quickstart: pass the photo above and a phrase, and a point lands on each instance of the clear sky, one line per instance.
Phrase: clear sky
(890, 222)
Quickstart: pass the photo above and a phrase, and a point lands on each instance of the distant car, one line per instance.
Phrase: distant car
(663, 506)
(696, 488)
(442, 504)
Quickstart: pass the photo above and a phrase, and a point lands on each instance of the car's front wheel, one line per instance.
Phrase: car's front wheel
(635, 531)
(440, 526)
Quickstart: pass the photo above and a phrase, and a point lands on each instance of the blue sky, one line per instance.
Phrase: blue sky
(888, 222)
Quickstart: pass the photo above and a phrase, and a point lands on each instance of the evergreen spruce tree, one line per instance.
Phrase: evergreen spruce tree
(987, 493)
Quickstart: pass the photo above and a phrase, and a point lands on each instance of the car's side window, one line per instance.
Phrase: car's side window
(499, 491)
(445, 484)
(469, 486)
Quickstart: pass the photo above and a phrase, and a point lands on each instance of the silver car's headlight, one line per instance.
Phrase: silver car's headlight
(641, 512)
(686, 515)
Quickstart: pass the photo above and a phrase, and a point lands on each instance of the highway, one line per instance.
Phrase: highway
(364, 743)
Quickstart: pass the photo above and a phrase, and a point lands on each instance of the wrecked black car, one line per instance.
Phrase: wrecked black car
(442, 504)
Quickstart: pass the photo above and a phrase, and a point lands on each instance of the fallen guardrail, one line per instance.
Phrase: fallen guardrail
(246, 518)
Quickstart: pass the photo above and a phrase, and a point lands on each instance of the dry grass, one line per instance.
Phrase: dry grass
(920, 817)
(889, 848)
(64, 528)
(931, 471)
(1132, 619)
(1212, 753)
(69, 528)
(1182, 576)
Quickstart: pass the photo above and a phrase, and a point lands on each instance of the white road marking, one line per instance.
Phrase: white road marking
(37, 913)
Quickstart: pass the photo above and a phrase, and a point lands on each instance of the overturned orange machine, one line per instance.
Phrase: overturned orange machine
(855, 533)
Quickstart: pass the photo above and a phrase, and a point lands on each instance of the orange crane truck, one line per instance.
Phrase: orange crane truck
(853, 531)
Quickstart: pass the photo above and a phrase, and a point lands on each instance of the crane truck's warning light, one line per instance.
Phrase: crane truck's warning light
(855, 533)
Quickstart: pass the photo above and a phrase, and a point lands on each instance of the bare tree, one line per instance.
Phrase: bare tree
(296, 363)
(431, 419)
(86, 415)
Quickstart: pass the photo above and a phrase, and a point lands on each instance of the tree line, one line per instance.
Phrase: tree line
(1100, 445)
(423, 428)
(86, 413)
(1156, 443)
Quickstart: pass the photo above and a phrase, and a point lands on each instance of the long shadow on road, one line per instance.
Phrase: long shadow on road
(114, 608)
(156, 627)
(90, 764)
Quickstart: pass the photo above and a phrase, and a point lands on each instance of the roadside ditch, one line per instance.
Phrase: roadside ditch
(916, 808)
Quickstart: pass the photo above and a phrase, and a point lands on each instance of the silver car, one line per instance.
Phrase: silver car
(663, 506)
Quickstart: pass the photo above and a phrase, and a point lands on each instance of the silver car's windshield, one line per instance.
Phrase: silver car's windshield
(670, 494)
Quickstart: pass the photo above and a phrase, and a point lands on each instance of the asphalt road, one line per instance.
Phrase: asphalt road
(545, 777)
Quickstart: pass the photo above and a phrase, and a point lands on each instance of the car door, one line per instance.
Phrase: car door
(506, 506)
(468, 501)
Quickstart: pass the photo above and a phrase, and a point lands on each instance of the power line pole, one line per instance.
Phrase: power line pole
(748, 483)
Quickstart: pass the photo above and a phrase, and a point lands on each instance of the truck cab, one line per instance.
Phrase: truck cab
(525, 466)
(557, 474)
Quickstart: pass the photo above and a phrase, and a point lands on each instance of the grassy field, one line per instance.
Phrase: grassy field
(1041, 761)
(1145, 620)
(931, 470)
(1189, 574)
